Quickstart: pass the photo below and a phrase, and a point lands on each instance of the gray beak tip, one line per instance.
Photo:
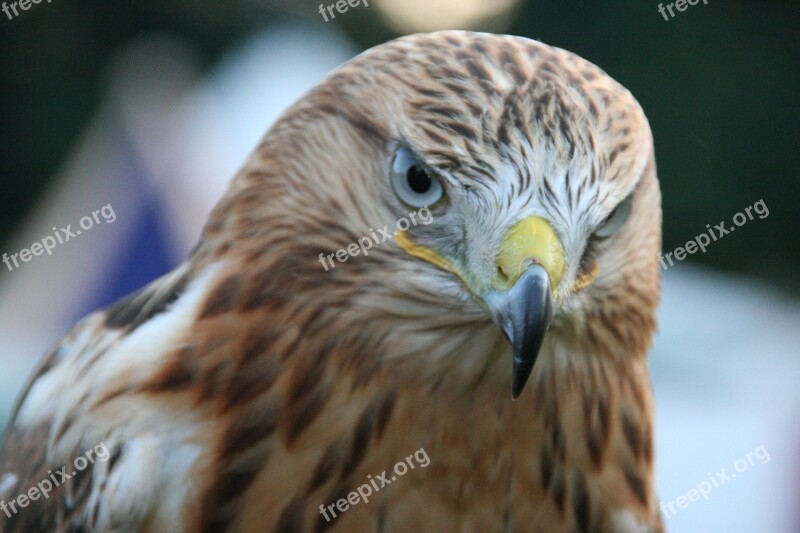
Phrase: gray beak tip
(519, 377)
(523, 313)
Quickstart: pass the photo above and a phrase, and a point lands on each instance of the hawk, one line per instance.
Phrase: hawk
(250, 388)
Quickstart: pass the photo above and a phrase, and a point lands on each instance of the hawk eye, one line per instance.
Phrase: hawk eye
(616, 219)
(412, 182)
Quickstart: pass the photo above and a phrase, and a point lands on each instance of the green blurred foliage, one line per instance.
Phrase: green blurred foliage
(719, 83)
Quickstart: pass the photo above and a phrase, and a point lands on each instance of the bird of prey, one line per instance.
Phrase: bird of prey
(249, 388)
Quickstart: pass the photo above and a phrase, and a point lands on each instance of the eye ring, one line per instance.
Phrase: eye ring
(412, 182)
(616, 219)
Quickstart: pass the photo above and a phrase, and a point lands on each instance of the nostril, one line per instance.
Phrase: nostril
(501, 274)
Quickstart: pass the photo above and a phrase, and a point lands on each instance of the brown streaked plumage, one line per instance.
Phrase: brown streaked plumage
(250, 386)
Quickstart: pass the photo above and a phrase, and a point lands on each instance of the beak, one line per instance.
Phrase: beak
(530, 264)
(523, 313)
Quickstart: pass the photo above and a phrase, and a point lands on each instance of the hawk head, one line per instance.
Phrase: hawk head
(537, 170)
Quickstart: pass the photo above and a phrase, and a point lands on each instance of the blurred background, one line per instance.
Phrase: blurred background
(150, 106)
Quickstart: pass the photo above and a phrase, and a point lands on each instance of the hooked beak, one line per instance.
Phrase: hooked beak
(530, 265)
(523, 313)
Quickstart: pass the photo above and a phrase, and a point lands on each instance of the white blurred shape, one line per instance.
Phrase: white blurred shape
(224, 120)
(726, 370)
(410, 16)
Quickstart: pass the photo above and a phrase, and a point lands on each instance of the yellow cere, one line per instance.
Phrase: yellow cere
(531, 241)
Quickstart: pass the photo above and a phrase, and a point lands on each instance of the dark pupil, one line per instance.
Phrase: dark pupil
(418, 180)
